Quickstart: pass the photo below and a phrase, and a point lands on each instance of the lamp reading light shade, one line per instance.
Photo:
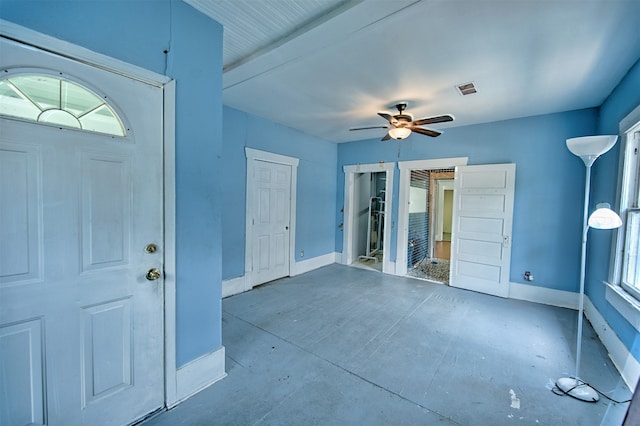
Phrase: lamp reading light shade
(399, 132)
(604, 217)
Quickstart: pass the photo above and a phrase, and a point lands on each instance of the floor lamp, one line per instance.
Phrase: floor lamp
(588, 148)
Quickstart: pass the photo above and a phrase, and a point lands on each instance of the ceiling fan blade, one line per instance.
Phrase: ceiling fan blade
(431, 120)
(390, 118)
(373, 127)
(386, 137)
(428, 132)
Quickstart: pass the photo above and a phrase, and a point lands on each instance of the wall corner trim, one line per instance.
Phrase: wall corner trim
(199, 374)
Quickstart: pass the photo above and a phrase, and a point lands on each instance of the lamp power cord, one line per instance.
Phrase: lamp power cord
(579, 382)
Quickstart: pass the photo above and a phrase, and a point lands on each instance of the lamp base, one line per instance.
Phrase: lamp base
(577, 389)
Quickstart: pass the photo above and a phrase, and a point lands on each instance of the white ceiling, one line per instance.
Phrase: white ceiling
(324, 66)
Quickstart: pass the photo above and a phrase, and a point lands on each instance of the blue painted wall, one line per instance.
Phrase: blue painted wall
(316, 203)
(549, 189)
(549, 179)
(139, 32)
(622, 100)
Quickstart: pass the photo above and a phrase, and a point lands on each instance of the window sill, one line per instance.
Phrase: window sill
(625, 304)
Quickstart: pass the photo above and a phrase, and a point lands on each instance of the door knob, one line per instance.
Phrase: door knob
(153, 274)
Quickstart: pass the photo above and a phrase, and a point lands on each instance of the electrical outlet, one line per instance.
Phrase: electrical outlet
(301, 253)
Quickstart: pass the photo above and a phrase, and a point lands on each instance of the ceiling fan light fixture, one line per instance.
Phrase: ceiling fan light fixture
(401, 125)
(399, 132)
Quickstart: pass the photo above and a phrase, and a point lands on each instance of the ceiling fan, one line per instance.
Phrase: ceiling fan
(401, 125)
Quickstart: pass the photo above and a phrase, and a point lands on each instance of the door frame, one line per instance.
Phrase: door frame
(348, 256)
(406, 167)
(83, 55)
(254, 155)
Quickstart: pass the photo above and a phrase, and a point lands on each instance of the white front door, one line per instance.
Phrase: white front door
(81, 326)
(270, 212)
(482, 221)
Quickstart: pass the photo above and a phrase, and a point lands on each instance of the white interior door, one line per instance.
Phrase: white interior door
(482, 221)
(271, 207)
(81, 326)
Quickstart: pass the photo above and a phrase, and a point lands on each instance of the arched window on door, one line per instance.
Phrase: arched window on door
(50, 100)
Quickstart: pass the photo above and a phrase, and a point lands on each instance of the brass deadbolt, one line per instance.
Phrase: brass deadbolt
(153, 274)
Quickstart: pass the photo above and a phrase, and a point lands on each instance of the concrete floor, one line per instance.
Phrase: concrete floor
(349, 346)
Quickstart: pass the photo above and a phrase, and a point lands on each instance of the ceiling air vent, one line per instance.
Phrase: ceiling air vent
(467, 88)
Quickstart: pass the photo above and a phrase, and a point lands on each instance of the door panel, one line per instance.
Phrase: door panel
(271, 207)
(81, 325)
(106, 211)
(21, 371)
(482, 219)
(20, 191)
(106, 349)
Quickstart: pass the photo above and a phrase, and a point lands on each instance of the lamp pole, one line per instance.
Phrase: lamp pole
(583, 268)
(588, 148)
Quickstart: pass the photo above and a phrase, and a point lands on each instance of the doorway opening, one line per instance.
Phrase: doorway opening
(430, 224)
(368, 234)
(370, 190)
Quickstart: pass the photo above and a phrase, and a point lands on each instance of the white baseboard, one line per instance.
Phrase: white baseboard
(241, 284)
(626, 364)
(234, 286)
(199, 374)
(314, 263)
(546, 296)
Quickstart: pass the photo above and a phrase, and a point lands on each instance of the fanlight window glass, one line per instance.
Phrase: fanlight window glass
(51, 100)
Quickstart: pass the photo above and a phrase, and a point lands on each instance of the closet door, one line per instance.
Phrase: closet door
(271, 216)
